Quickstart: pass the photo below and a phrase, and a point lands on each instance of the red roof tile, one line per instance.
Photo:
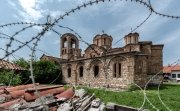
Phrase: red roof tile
(30, 96)
(66, 94)
(9, 66)
(25, 94)
(20, 87)
(8, 104)
(169, 69)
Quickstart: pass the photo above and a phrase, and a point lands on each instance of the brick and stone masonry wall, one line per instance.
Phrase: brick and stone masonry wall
(105, 76)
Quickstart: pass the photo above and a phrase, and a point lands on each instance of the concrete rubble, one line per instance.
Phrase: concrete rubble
(49, 98)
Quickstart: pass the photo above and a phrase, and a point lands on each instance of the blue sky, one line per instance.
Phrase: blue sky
(116, 18)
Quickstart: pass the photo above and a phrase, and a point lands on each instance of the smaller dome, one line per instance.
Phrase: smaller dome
(98, 36)
(103, 40)
(131, 38)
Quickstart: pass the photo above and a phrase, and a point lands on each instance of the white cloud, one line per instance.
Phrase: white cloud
(56, 14)
(31, 10)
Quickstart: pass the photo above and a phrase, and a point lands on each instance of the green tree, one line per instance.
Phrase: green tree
(46, 72)
(26, 73)
(22, 62)
(8, 77)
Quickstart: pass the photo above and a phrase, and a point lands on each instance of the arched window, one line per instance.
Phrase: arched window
(114, 70)
(69, 72)
(73, 43)
(81, 71)
(117, 70)
(65, 44)
(96, 71)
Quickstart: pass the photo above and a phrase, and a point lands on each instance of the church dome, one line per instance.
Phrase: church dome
(103, 40)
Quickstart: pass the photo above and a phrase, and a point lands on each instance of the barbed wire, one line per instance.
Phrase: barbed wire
(174, 64)
(16, 33)
(21, 23)
(18, 41)
(160, 72)
(49, 26)
(78, 8)
(13, 55)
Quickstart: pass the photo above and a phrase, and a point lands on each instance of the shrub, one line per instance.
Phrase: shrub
(8, 77)
(26, 73)
(46, 72)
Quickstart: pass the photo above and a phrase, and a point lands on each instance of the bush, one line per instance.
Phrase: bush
(46, 72)
(8, 77)
(26, 73)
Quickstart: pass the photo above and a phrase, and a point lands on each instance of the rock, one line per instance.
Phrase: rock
(65, 107)
(80, 93)
(2, 99)
(110, 106)
(96, 103)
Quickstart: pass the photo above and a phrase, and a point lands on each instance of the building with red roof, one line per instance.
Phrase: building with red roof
(173, 72)
(6, 65)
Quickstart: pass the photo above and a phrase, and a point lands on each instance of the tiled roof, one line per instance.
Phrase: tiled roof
(51, 58)
(24, 94)
(9, 66)
(169, 69)
(25, 98)
(53, 98)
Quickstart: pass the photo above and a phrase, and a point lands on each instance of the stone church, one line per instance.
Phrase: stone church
(101, 65)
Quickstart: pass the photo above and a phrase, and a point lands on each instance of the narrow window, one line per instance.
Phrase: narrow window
(114, 72)
(119, 70)
(104, 41)
(69, 72)
(130, 39)
(65, 44)
(73, 45)
(96, 71)
(81, 71)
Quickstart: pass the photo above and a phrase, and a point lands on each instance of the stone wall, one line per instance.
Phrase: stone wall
(140, 74)
(105, 76)
(138, 60)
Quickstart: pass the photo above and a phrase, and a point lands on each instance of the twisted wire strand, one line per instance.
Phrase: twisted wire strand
(160, 97)
(11, 54)
(49, 26)
(96, 2)
(21, 23)
(45, 29)
(16, 40)
(172, 66)
(81, 39)
(16, 33)
(138, 26)
(176, 62)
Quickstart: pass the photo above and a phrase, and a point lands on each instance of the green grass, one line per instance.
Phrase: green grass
(169, 93)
